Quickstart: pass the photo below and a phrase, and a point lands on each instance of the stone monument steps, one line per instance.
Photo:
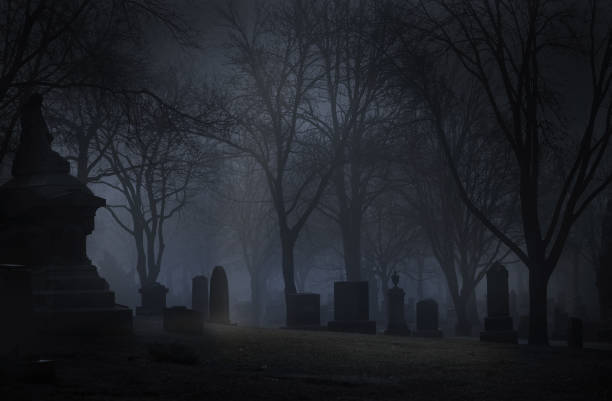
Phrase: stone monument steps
(72, 283)
(71, 299)
(85, 321)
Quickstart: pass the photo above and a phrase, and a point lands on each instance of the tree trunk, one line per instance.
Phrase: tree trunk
(257, 291)
(538, 313)
(287, 245)
(420, 268)
(464, 325)
(472, 309)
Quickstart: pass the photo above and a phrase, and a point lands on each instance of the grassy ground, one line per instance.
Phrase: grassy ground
(236, 363)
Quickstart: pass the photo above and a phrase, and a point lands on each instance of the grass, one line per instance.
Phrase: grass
(237, 363)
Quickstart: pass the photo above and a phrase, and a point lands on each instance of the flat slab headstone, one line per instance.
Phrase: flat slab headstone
(352, 308)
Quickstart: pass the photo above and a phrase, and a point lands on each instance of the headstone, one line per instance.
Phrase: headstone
(45, 217)
(182, 320)
(604, 276)
(574, 333)
(396, 320)
(304, 311)
(199, 295)
(498, 323)
(523, 326)
(16, 322)
(427, 319)
(153, 300)
(351, 308)
(560, 324)
(219, 296)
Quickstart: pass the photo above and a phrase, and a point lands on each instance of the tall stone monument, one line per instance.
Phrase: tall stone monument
(45, 217)
(604, 276)
(498, 323)
(396, 319)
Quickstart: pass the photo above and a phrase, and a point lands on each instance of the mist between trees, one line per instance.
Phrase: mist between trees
(333, 140)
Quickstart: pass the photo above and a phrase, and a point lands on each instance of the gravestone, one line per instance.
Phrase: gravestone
(219, 296)
(351, 308)
(16, 320)
(396, 319)
(560, 324)
(45, 217)
(153, 300)
(498, 323)
(199, 295)
(304, 311)
(182, 320)
(604, 277)
(427, 319)
(574, 333)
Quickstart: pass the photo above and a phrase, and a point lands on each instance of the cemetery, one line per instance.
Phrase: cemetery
(328, 201)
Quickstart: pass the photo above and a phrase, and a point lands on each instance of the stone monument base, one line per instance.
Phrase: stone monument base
(76, 300)
(153, 299)
(182, 320)
(428, 333)
(353, 326)
(499, 336)
(398, 331)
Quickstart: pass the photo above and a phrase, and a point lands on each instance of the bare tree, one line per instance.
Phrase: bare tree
(274, 56)
(514, 49)
(153, 163)
(355, 108)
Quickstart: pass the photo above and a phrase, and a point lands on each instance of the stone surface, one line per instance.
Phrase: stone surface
(304, 310)
(199, 295)
(574, 333)
(427, 319)
(604, 276)
(351, 308)
(182, 320)
(396, 318)
(152, 299)
(498, 323)
(45, 217)
(219, 296)
(16, 318)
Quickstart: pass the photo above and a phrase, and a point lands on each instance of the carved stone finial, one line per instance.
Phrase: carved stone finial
(34, 154)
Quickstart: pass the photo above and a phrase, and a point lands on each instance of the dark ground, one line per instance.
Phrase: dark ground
(237, 363)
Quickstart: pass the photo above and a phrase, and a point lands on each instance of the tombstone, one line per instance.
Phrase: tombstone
(427, 319)
(179, 319)
(153, 300)
(560, 324)
(574, 333)
(396, 319)
(604, 277)
(219, 297)
(15, 311)
(199, 295)
(351, 308)
(523, 326)
(45, 217)
(498, 323)
(304, 311)
(513, 304)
